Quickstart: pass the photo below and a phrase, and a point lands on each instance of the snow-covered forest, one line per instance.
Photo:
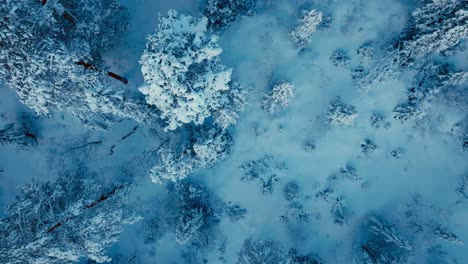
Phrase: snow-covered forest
(234, 131)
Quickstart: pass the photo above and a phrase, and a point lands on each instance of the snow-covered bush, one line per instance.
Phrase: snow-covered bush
(377, 120)
(279, 98)
(234, 212)
(340, 58)
(62, 221)
(295, 213)
(263, 172)
(291, 191)
(368, 147)
(341, 114)
(309, 145)
(396, 153)
(208, 146)
(184, 77)
(308, 23)
(222, 13)
(350, 172)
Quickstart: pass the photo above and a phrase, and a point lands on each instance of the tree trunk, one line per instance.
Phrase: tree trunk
(94, 68)
(67, 15)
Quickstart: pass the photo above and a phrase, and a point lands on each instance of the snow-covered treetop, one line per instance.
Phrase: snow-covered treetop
(222, 13)
(440, 26)
(184, 77)
(279, 98)
(207, 147)
(40, 51)
(308, 23)
(341, 114)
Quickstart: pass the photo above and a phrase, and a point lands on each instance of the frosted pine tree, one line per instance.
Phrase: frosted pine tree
(308, 23)
(279, 98)
(48, 67)
(184, 77)
(65, 220)
(207, 147)
(439, 28)
(340, 114)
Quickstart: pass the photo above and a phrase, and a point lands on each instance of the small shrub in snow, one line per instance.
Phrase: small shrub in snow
(350, 172)
(308, 23)
(368, 147)
(338, 211)
(309, 145)
(396, 153)
(291, 191)
(279, 98)
(340, 114)
(296, 212)
(378, 121)
(234, 212)
(340, 58)
(262, 172)
(222, 13)
(184, 77)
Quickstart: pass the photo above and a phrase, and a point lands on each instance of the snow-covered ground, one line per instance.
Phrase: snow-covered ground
(406, 162)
